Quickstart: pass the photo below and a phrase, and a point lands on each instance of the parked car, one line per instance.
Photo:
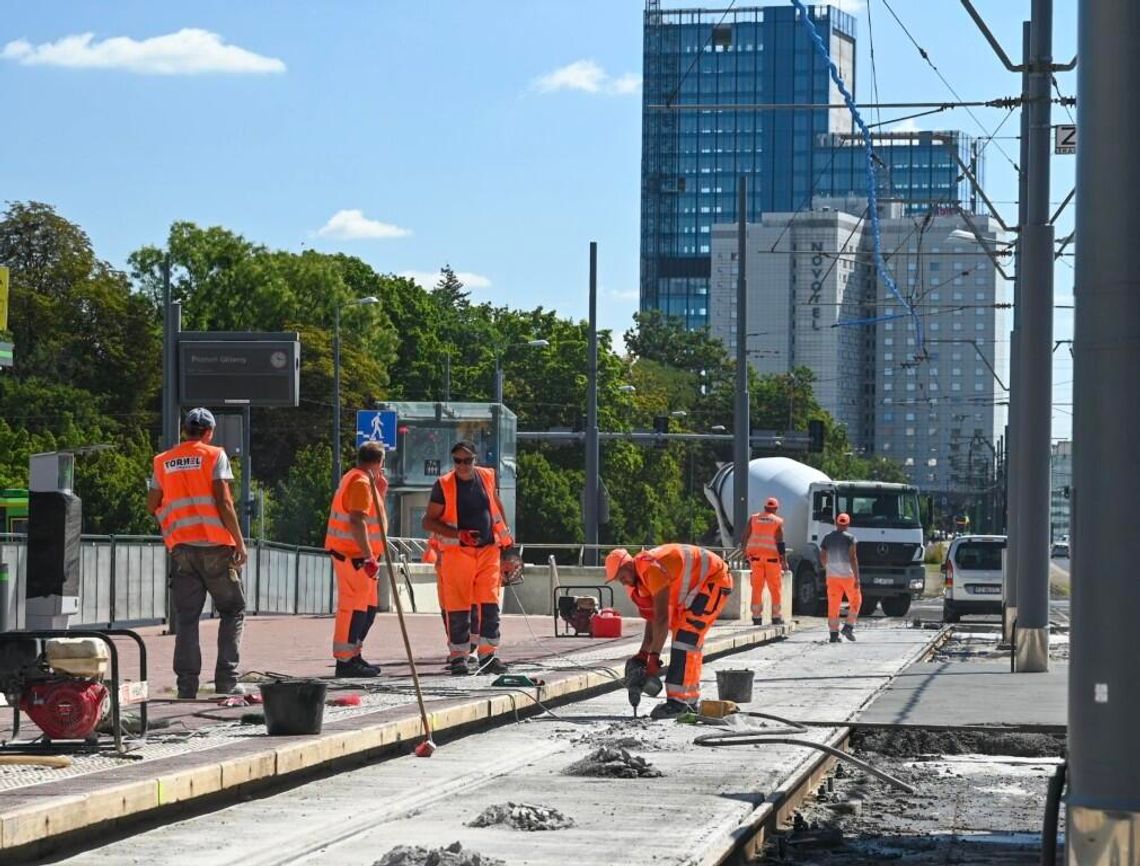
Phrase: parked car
(973, 576)
(1061, 550)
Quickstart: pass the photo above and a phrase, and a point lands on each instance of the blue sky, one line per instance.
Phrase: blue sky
(498, 135)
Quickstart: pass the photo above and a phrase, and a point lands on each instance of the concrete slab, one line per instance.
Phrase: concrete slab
(689, 815)
(37, 804)
(973, 692)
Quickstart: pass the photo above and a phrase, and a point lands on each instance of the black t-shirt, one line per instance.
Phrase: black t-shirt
(472, 506)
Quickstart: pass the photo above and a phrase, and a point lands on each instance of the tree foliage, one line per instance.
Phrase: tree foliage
(88, 362)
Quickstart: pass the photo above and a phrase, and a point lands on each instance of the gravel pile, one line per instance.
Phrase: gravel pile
(522, 816)
(452, 855)
(917, 742)
(613, 763)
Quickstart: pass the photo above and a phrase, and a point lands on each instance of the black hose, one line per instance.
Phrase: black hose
(1052, 816)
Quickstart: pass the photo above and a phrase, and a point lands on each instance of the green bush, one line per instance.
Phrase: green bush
(935, 553)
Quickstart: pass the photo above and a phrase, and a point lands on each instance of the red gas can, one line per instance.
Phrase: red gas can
(606, 623)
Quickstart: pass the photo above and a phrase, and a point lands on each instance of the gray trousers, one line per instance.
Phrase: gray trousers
(198, 570)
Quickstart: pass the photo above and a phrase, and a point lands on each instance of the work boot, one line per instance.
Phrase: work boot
(370, 665)
(355, 668)
(757, 621)
(777, 620)
(671, 709)
(226, 688)
(849, 631)
(834, 637)
(492, 665)
(457, 667)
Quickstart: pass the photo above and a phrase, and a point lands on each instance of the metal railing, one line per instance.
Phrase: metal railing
(123, 578)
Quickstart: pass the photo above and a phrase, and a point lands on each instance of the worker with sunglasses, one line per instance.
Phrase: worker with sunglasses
(465, 515)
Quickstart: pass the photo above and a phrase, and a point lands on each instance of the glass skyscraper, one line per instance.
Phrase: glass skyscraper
(705, 71)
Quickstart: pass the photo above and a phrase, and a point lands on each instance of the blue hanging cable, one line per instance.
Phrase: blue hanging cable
(872, 189)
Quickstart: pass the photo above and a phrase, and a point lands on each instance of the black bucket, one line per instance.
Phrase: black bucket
(293, 706)
(734, 685)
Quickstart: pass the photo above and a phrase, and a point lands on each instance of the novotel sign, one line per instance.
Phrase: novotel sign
(241, 369)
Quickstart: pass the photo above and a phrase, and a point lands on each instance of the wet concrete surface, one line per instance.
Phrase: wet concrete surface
(970, 809)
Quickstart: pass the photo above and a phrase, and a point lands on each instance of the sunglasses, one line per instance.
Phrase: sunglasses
(462, 461)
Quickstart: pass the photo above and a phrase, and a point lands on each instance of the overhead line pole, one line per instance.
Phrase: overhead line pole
(593, 455)
(741, 423)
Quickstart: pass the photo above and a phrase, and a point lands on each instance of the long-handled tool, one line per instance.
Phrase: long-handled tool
(424, 749)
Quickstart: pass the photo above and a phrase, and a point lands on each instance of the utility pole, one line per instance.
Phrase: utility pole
(741, 422)
(590, 494)
(1102, 808)
(1031, 637)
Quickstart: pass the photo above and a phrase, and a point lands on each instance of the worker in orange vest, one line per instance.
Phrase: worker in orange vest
(678, 588)
(466, 515)
(190, 497)
(838, 554)
(354, 538)
(763, 544)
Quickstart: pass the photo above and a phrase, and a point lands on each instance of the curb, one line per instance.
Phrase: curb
(39, 824)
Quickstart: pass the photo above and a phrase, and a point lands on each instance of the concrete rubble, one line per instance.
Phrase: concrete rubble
(613, 764)
(453, 855)
(522, 816)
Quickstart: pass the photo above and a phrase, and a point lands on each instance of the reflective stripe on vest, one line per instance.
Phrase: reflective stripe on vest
(339, 535)
(188, 513)
(697, 567)
(762, 535)
(450, 515)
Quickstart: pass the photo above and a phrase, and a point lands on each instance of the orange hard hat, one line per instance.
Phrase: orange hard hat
(843, 519)
(615, 559)
(773, 504)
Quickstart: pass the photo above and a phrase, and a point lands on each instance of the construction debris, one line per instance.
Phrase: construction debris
(613, 763)
(452, 855)
(522, 816)
(914, 743)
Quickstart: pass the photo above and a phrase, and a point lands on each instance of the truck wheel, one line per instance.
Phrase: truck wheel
(868, 604)
(804, 596)
(896, 605)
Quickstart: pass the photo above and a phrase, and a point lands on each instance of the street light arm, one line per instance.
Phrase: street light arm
(990, 38)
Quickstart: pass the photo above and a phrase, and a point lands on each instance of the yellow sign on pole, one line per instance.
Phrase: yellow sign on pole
(3, 298)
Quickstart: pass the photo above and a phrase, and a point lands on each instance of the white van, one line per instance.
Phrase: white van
(974, 580)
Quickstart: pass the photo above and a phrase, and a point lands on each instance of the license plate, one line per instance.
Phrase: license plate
(982, 589)
(885, 581)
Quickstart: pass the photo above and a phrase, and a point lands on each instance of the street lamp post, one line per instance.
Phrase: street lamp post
(497, 407)
(366, 301)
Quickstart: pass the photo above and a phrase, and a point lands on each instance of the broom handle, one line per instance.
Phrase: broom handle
(399, 606)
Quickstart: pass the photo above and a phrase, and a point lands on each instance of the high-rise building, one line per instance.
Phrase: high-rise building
(711, 80)
(1062, 480)
(935, 403)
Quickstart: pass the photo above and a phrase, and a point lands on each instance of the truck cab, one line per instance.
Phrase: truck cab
(886, 523)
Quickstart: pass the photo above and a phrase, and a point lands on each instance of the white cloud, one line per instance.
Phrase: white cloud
(907, 125)
(428, 279)
(626, 295)
(852, 6)
(190, 51)
(353, 225)
(587, 77)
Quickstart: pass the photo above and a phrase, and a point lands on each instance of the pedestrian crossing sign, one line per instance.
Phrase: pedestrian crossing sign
(376, 426)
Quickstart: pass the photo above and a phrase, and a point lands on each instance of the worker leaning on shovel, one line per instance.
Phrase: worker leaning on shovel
(678, 588)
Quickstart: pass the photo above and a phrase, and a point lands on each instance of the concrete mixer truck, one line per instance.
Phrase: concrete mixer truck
(885, 519)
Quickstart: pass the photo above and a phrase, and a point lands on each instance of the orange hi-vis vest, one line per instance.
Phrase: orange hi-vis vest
(189, 514)
(762, 536)
(338, 535)
(450, 514)
(689, 568)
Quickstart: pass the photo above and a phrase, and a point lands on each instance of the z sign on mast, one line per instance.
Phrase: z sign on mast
(1065, 138)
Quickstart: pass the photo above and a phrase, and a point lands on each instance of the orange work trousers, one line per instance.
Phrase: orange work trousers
(766, 573)
(357, 598)
(690, 626)
(837, 587)
(469, 577)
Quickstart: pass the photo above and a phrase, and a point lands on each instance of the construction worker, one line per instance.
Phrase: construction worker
(190, 498)
(763, 544)
(678, 589)
(840, 560)
(466, 515)
(354, 538)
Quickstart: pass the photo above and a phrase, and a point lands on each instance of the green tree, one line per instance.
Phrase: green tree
(299, 508)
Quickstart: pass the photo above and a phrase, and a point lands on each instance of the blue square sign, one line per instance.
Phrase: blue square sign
(376, 426)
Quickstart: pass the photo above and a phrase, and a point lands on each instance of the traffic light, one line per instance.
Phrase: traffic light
(661, 427)
(1068, 491)
(815, 436)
